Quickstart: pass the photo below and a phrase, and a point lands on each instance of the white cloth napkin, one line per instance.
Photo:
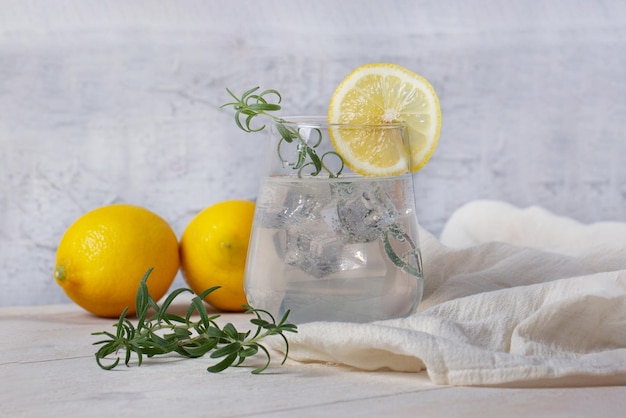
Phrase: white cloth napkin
(513, 297)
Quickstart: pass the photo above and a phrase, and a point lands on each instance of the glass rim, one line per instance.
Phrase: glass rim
(322, 121)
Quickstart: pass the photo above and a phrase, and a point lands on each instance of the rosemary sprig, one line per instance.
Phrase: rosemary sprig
(164, 332)
(252, 104)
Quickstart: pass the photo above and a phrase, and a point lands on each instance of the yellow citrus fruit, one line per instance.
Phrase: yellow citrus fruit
(213, 251)
(105, 253)
(384, 93)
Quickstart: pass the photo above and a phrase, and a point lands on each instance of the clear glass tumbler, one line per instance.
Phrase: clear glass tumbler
(328, 244)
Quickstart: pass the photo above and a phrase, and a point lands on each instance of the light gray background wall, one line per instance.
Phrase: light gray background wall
(117, 101)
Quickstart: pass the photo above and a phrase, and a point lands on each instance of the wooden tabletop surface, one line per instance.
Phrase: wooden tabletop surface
(48, 369)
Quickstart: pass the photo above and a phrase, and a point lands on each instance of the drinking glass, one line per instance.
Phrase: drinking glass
(328, 244)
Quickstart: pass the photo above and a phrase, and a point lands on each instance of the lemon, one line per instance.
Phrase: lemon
(105, 253)
(384, 93)
(213, 250)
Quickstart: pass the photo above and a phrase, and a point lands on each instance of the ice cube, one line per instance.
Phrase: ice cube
(318, 251)
(363, 212)
(299, 204)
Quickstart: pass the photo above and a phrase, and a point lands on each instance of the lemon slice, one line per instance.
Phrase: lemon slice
(382, 93)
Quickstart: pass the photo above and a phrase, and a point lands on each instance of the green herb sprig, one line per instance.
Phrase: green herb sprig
(252, 104)
(164, 332)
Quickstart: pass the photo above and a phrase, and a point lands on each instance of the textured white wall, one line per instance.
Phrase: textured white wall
(118, 101)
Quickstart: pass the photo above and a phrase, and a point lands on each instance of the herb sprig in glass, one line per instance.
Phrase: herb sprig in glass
(253, 103)
(164, 332)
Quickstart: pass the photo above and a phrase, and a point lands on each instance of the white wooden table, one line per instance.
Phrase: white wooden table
(48, 369)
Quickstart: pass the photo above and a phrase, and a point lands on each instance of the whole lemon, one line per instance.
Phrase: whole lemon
(105, 253)
(213, 250)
